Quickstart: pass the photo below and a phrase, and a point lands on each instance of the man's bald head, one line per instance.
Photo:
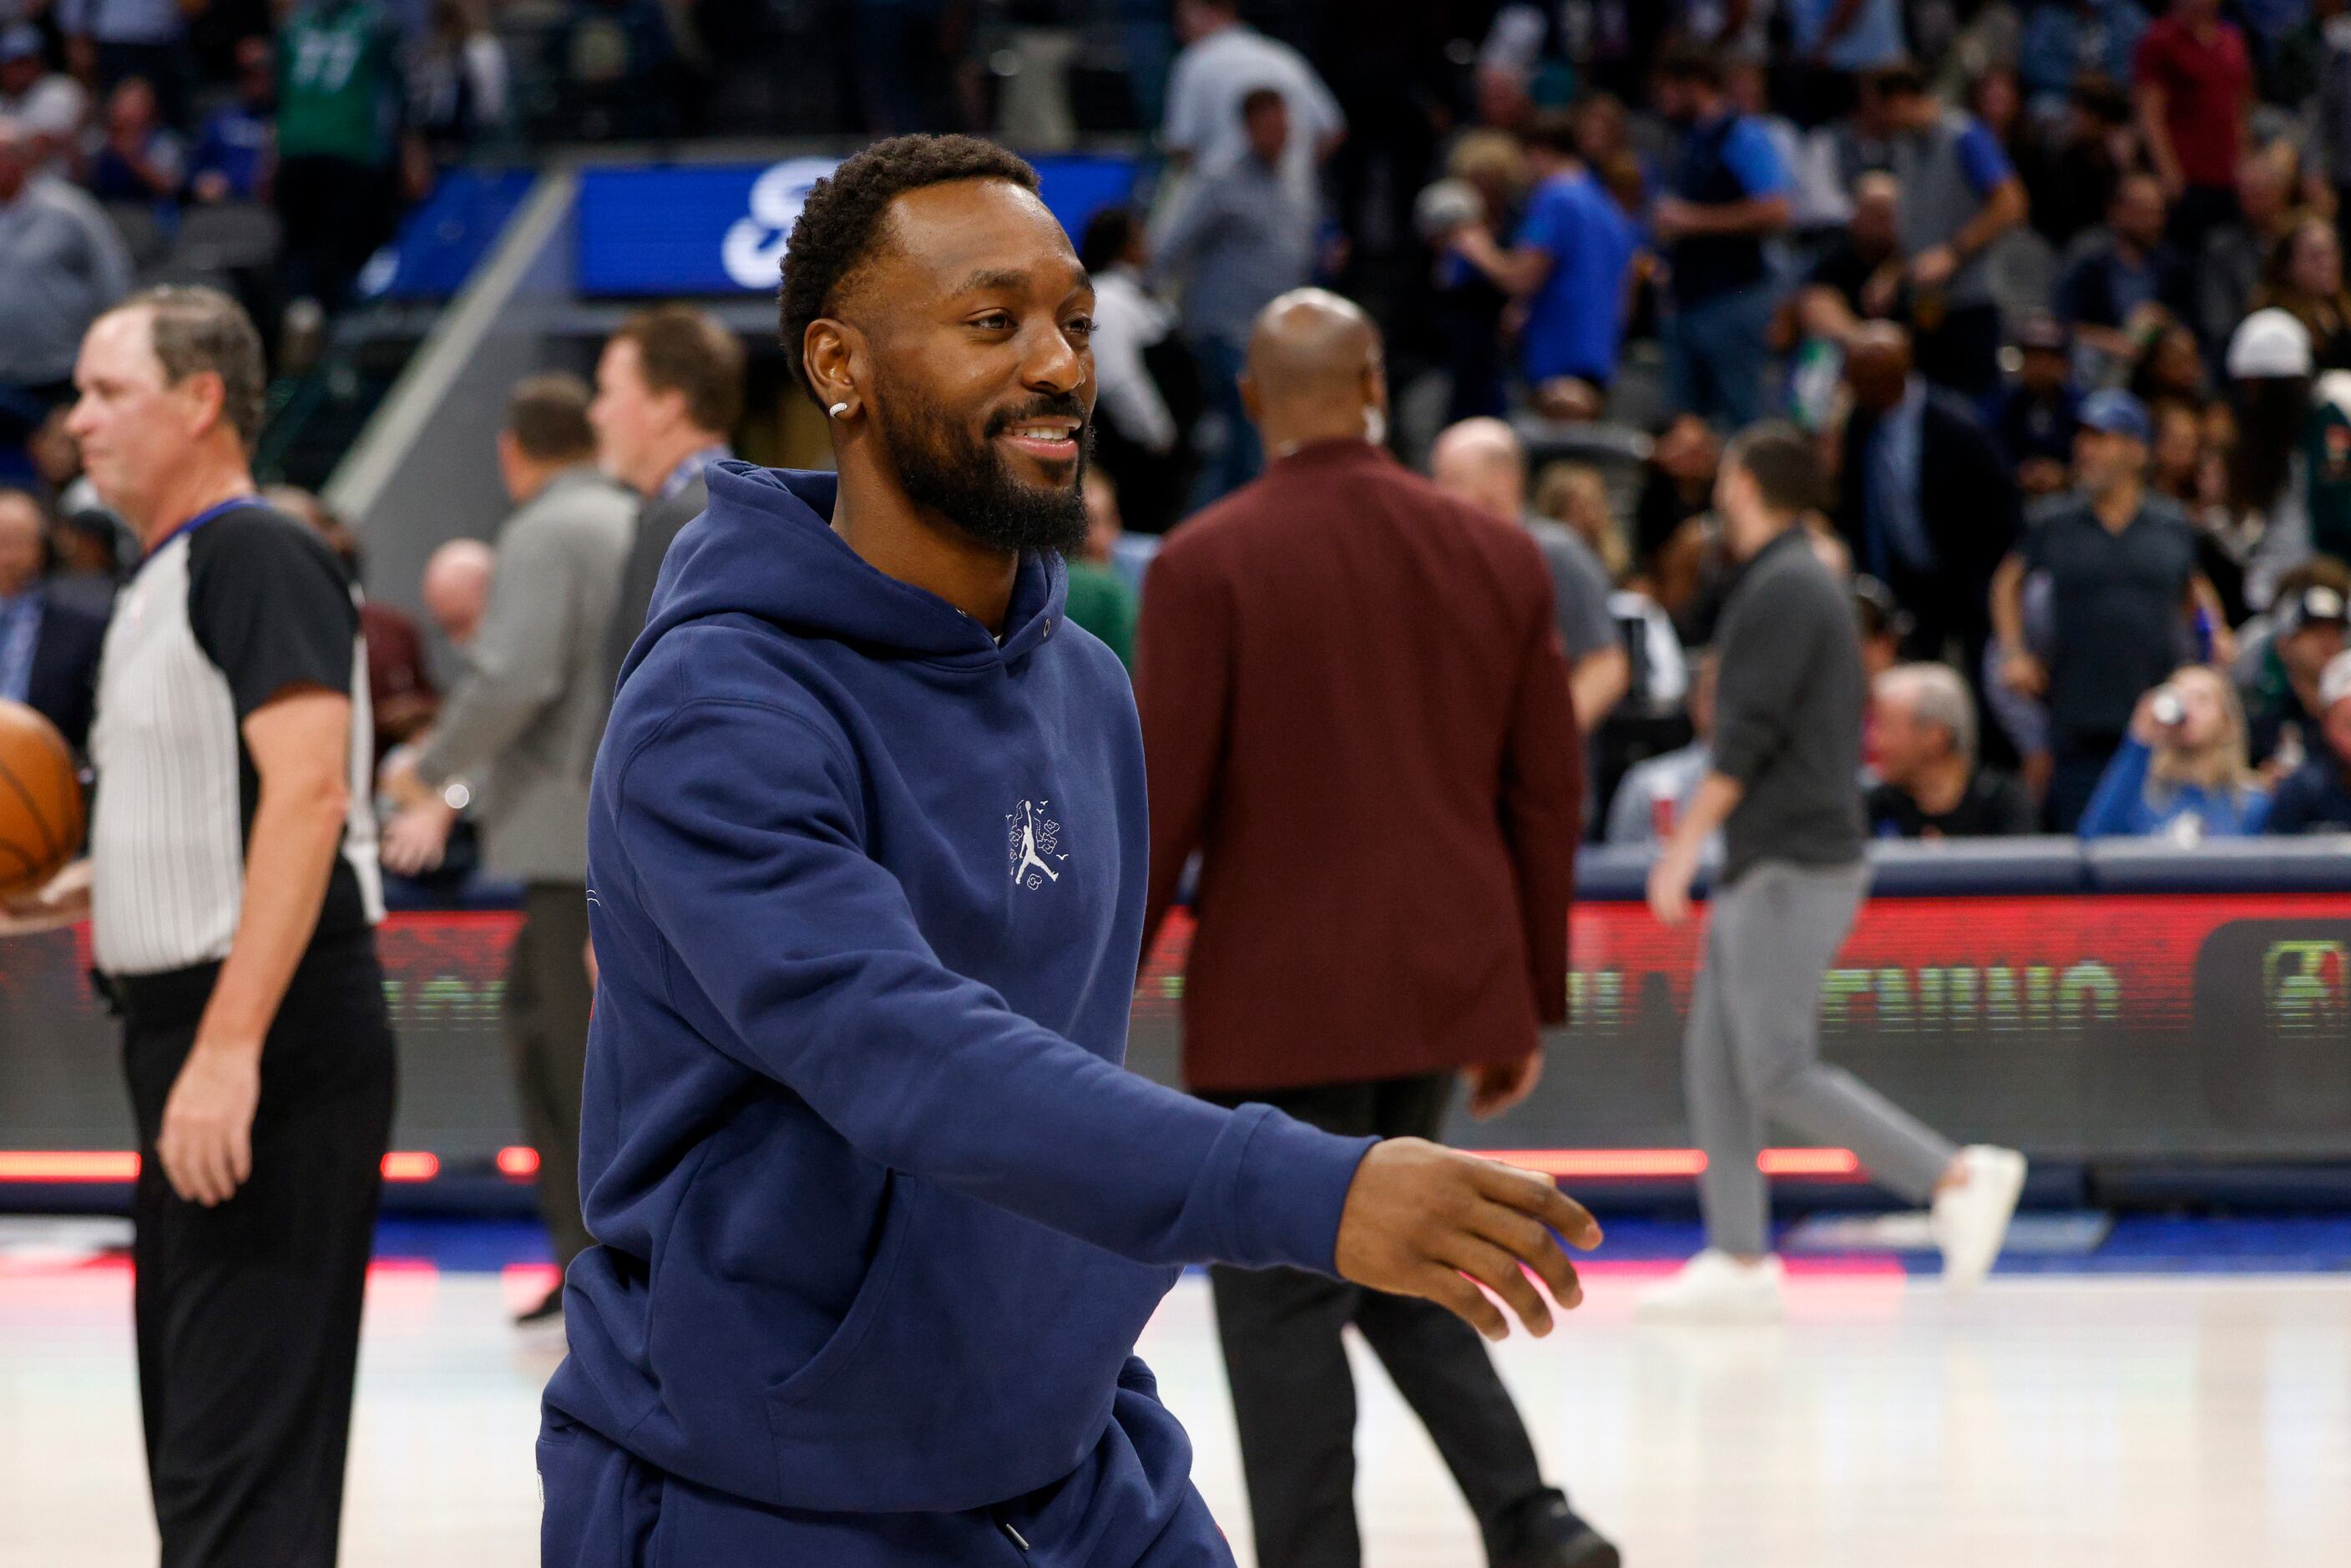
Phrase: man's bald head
(456, 588)
(1481, 461)
(1314, 372)
(1877, 364)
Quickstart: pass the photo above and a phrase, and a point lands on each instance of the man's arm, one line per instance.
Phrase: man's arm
(1183, 683)
(1542, 810)
(774, 921)
(1519, 271)
(2154, 102)
(1717, 797)
(1599, 680)
(2019, 668)
(2003, 208)
(300, 744)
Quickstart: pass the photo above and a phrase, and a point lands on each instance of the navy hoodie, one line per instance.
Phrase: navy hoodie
(881, 1212)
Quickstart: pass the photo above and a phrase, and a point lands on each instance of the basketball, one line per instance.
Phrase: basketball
(40, 801)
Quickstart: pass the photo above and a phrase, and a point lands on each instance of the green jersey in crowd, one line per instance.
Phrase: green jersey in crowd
(338, 83)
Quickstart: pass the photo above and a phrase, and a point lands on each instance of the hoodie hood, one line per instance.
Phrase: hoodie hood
(765, 546)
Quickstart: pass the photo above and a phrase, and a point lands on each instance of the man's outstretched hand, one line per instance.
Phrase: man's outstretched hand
(1419, 1218)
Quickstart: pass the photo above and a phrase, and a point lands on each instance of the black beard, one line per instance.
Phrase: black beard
(941, 465)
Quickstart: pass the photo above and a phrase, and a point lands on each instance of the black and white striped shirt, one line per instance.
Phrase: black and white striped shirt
(219, 621)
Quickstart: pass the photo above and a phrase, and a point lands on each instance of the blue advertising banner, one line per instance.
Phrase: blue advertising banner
(709, 230)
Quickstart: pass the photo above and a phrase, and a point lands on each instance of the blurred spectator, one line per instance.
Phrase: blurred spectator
(1223, 62)
(1861, 270)
(2170, 366)
(1480, 461)
(2283, 657)
(1100, 600)
(2040, 410)
(2175, 458)
(1575, 494)
(137, 160)
(61, 265)
(1676, 491)
(231, 163)
(2071, 189)
(2124, 586)
(457, 588)
(1571, 263)
(2062, 41)
(2269, 469)
(49, 650)
(669, 393)
(2181, 772)
(458, 81)
(341, 136)
(1958, 195)
(2194, 87)
(1148, 390)
(1884, 625)
(1654, 793)
(1239, 235)
(525, 722)
(401, 699)
(2315, 797)
(2304, 279)
(2119, 275)
(2235, 256)
(1924, 500)
(1485, 182)
(1930, 785)
(1728, 193)
(49, 106)
(110, 40)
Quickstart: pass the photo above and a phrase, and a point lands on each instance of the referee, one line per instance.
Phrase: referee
(234, 897)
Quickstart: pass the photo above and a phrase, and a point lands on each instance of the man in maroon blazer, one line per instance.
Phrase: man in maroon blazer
(1355, 707)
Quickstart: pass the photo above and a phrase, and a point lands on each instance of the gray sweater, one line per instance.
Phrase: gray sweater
(1788, 709)
(523, 725)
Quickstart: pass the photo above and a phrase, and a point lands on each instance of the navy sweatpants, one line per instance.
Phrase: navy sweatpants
(1130, 1505)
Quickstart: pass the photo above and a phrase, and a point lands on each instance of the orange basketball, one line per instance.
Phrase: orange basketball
(40, 801)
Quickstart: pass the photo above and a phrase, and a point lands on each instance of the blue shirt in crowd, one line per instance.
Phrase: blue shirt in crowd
(1724, 160)
(2128, 804)
(233, 144)
(1575, 321)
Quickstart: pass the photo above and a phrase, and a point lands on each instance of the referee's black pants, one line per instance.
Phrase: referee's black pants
(249, 1314)
(1294, 1397)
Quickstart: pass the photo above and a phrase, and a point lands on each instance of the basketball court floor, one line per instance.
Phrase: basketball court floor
(2173, 1393)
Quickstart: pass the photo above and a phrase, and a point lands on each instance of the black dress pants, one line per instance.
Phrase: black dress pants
(548, 1002)
(1294, 1397)
(248, 1313)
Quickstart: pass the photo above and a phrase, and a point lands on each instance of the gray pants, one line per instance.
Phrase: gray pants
(1752, 1052)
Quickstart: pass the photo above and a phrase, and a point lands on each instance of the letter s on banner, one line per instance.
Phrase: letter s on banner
(754, 248)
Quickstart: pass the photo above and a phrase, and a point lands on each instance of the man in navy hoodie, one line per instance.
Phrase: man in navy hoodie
(881, 1213)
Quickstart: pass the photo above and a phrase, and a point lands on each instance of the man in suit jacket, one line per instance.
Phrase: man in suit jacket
(49, 650)
(669, 388)
(1926, 499)
(1355, 704)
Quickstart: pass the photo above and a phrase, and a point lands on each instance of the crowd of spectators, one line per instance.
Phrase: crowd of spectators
(2057, 286)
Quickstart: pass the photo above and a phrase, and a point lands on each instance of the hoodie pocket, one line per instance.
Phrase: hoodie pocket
(838, 1354)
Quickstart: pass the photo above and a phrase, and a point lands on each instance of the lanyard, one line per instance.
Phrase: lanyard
(200, 518)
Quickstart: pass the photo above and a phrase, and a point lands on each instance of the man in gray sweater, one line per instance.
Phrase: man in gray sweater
(1784, 787)
(521, 732)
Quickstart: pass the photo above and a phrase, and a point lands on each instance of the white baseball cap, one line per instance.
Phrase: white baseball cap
(2269, 344)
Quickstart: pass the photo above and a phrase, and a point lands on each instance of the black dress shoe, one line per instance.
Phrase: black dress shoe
(1581, 1547)
(550, 1310)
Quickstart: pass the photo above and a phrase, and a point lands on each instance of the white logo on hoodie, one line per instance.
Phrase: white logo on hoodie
(1033, 841)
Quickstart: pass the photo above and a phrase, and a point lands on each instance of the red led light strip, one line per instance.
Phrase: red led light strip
(519, 1162)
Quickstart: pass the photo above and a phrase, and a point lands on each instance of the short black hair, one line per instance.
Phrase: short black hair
(840, 226)
(1108, 235)
(1259, 98)
(1785, 466)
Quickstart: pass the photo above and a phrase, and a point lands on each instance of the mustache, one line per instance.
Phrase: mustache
(1065, 406)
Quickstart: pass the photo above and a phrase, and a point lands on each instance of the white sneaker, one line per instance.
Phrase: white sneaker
(1715, 1288)
(1970, 1220)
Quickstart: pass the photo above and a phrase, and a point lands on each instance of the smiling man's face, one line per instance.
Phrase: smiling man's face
(979, 320)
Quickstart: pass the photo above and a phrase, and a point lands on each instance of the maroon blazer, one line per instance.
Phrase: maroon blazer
(1355, 707)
